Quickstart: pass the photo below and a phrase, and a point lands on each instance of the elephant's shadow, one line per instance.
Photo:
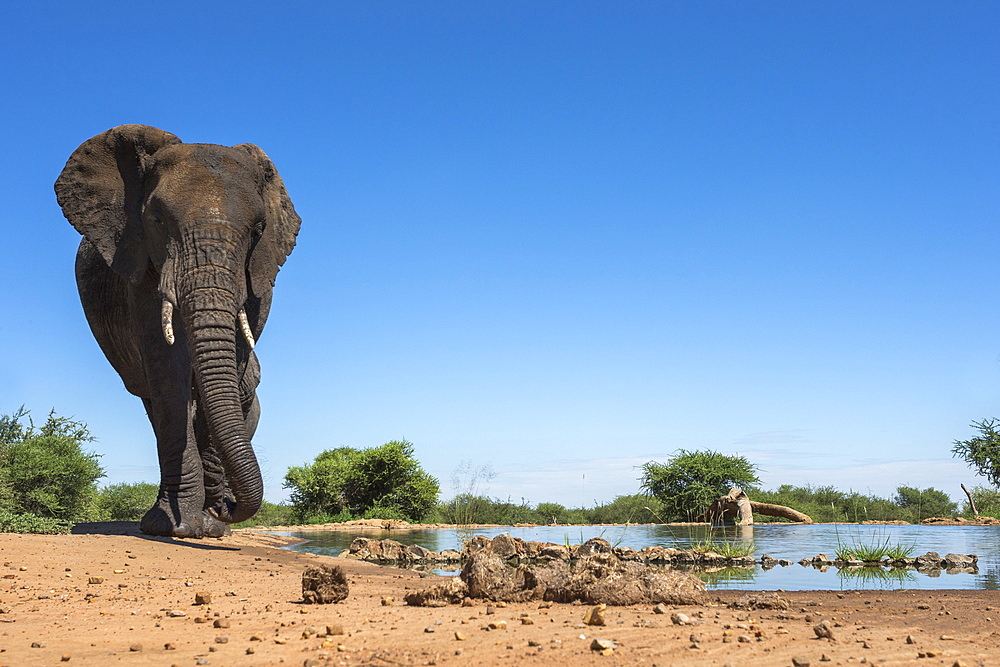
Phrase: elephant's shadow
(132, 529)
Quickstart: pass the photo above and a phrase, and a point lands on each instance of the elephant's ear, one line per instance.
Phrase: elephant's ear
(100, 192)
(282, 225)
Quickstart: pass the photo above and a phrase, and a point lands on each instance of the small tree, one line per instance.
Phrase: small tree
(983, 451)
(691, 480)
(123, 502)
(45, 471)
(923, 504)
(380, 482)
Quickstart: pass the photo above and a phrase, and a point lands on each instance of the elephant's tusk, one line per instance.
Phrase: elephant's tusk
(167, 321)
(245, 327)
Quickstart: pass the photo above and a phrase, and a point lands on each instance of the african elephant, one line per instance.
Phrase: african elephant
(181, 246)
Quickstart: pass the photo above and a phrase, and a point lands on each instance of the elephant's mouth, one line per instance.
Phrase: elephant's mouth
(167, 323)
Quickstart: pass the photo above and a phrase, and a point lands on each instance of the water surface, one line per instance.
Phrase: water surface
(779, 540)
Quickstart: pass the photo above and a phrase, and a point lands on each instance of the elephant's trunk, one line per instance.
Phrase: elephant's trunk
(208, 306)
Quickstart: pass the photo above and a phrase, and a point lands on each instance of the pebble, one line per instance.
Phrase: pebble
(430, 628)
(910, 639)
(527, 620)
(459, 636)
(221, 623)
(176, 613)
(602, 646)
(169, 647)
(222, 640)
(65, 657)
(801, 661)
(203, 597)
(660, 609)
(135, 648)
(334, 630)
(824, 631)
(387, 601)
(678, 618)
(595, 615)
(744, 639)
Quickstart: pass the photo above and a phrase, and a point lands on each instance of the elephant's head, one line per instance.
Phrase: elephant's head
(210, 225)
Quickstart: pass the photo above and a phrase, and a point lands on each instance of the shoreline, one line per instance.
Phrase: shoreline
(142, 610)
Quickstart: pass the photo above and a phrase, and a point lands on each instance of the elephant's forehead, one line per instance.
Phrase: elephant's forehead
(205, 159)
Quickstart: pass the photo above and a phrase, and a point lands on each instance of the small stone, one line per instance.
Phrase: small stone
(251, 650)
(430, 628)
(910, 639)
(230, 594)
(37, 645)
(947, 638)
(222, 640)
(200, 619)
(169, 646)
(865, 645)
(203, 597)
(64, 658)
(602, 645)
(490, 609)
(334, 629)
(744, 639)
(468, 602)
(498, 625)
(801, 661)
(310, 662)
(176, 613)
(221, 623)
(256, 638)
(459, 636)
(824, 658)
(678, 618)
(135, 648)
(387, 601)
(694, 639)
(201, 661)
(823, 630)
(527, 620)
(595, 615)
(95, 580)
(660, 609)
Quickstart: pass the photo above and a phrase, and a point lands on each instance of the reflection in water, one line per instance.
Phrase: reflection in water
(784, 541)
(875, 578)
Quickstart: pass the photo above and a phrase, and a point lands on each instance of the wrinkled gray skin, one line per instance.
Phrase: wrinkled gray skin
(206, 228)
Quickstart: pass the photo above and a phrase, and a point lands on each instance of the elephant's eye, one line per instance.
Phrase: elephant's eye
(258, 231)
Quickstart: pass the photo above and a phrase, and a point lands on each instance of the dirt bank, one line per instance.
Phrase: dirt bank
(141, 611)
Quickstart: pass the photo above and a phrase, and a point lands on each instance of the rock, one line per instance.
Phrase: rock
(801, 661)
(387, 601)
(744, 639)
(334, 630)
(910, 639)
(324, 584)
(64, 658)
(95, 580)
(554, 552)
(599, 644)
(222, 640)
(135, 648)
(824, 630)
(678, 618)
(497, 625)
(439, 595)
(660, 609)
(595, 545)
(459, 636)
(203, 597)
(527, 620)
(176, 613)
(960, 560)
(928, 560)
(169, 646)
(595, 615)
(760, 601)
(221, 623)
(430, 628)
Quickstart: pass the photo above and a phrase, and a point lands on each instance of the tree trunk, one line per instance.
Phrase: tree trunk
(736, 505)
(972, 503)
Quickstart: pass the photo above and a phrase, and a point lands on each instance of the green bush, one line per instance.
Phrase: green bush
(692, 480)
(923, 504)
(987, 502)
(45, 471)
(386, 482)
(11, 522)
(123, 502)
(271, 514)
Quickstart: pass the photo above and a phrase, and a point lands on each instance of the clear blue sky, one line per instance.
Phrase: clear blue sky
(558, 238)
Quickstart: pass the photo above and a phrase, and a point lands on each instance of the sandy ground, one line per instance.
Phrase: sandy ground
(143, 611)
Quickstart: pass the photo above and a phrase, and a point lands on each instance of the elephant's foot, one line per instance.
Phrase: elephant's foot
(159, 520)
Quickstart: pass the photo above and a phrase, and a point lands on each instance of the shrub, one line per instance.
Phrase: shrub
(923, 504)
(270, 514)
(46, 472)
(123, 502)
(691, 480)
(385, 481)
(11, 522)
